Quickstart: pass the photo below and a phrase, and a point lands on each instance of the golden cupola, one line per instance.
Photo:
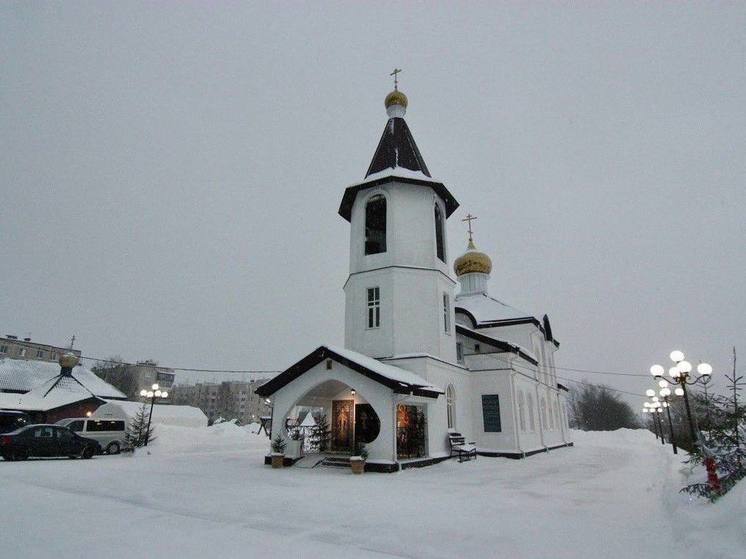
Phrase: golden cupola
(472, 261)
(396, 104)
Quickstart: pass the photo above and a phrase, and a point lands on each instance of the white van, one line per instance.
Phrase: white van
(109, 433)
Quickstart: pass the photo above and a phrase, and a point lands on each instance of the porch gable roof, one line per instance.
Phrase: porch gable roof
(399, 380)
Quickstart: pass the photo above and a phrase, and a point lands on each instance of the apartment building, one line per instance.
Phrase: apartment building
(227, 400)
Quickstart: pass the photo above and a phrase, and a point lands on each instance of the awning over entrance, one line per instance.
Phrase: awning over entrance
(399, 380)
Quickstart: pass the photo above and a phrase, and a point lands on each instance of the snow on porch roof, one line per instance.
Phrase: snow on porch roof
(399, 380)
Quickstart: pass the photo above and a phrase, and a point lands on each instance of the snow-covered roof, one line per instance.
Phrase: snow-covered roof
(23, 375)
(64, 393)
(399, 172)
(500, 344)
(397, 379)
(402, 376)
(485, 309)
(186, 416)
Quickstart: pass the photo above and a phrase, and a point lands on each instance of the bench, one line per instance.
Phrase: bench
(460, 448)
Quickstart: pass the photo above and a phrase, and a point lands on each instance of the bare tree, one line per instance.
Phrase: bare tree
(595, 407)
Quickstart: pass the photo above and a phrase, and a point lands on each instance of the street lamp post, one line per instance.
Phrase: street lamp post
(156, 392)
(681, 378)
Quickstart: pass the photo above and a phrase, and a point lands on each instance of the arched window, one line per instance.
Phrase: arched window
(451, 406)
(375, 225)
(555, 415)
(543, 412)
(440, 249)
(531, 421)
(521, 410)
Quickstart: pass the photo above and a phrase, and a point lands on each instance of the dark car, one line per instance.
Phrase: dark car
(45, 441)
(11, 420)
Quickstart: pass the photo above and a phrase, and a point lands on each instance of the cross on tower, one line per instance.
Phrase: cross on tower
(396, 73)
(72, 341)
(470, 218)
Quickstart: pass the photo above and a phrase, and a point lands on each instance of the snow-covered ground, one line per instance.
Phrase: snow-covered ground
(206, 493)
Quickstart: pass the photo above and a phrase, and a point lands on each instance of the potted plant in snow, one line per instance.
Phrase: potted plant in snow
(358, 461)
(278, 452)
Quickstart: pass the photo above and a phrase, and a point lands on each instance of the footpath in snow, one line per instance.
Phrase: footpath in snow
(206, 493)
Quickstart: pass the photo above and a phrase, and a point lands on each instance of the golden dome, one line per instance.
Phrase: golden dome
(396, 97)
(68, 360)
(472, 261)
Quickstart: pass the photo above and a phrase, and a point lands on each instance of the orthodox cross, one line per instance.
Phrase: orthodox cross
(470, 218)
(72, 341)
(396, 73)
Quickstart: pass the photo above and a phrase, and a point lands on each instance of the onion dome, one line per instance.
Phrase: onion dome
(472, 261)
(396, 104)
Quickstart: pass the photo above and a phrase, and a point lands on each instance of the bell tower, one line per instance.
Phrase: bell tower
(399, 295)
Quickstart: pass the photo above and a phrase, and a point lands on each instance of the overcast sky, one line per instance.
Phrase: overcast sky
(170, 174)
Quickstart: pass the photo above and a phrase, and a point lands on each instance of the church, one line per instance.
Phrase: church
(425, 354)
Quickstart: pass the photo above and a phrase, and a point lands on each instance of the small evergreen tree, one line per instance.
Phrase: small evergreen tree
(320, 435)
(723, 442)
(137, 432)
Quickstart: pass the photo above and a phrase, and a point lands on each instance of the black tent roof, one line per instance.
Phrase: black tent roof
(397, 148)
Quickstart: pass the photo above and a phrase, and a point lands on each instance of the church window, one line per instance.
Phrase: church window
(459, 352)
(439, 244)
(543, 413)
(522, 411)
(451, 406)
(446, 314)
(374, 307)
(375, 225)
(531, 421)
(476, 348)
(555, 417)
(491, 413)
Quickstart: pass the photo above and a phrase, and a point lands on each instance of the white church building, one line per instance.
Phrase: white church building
(425, 354)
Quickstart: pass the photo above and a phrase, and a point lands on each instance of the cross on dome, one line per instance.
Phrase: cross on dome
(470, 218)
(396, 73)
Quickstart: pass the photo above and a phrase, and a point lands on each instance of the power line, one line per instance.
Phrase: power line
(527, 368)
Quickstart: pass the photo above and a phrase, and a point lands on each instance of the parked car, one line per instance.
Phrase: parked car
(11, 420)
(45, 441)
(109, 433)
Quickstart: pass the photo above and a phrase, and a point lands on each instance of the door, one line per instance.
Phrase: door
(342, 425)
(67, 445)
(44, 442)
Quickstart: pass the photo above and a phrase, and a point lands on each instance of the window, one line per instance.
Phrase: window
(44, 432)
(104, 425)
(22, 352)
(374, 307)
(76, 426)
(446, 314)
(375, 225)
(491, 413)
(476, 348)
(531, 421)
(543, 413)
(39, 353)
(439, 244)
(555, 415)
(459, 352)
(3, 349)
(522, 411)
(451, 406)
